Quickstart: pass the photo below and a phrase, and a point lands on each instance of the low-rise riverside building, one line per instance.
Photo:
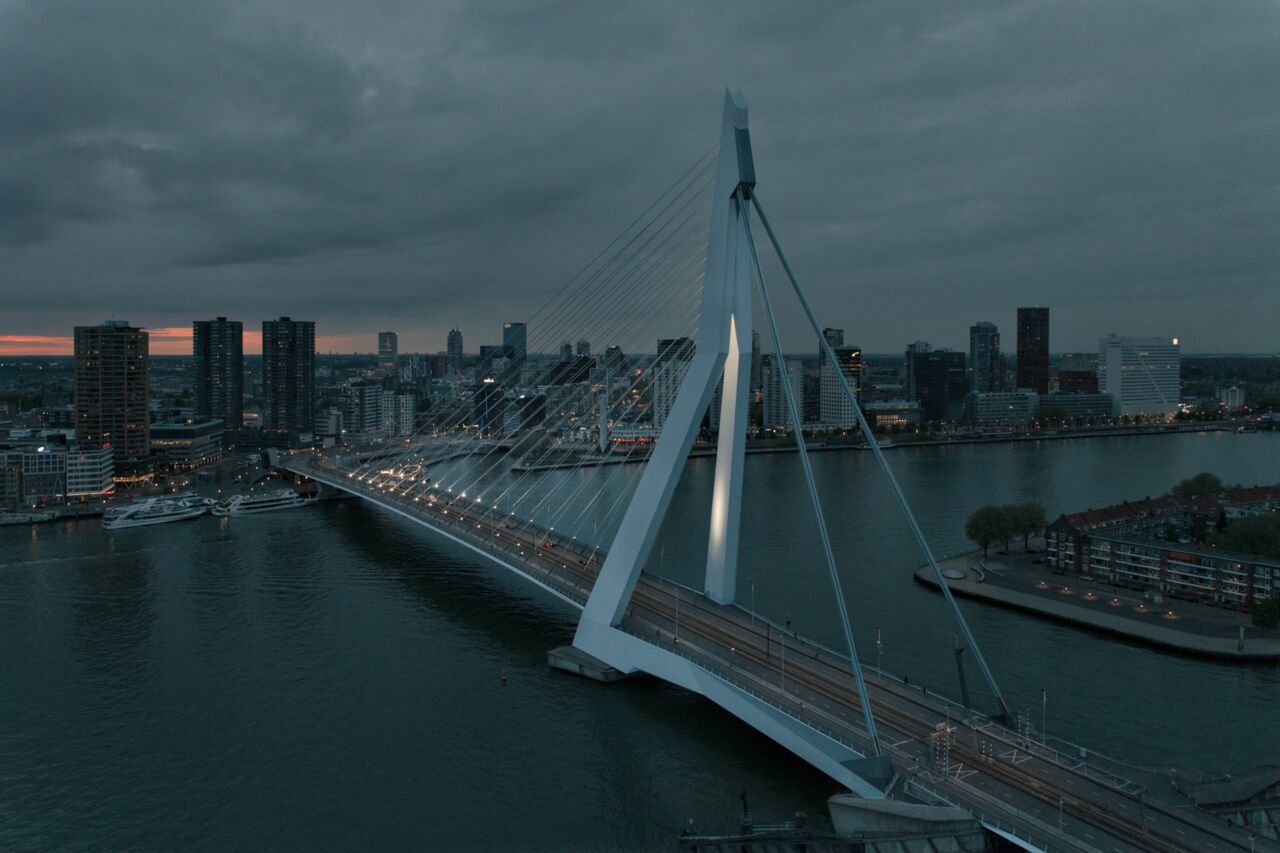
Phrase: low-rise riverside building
(1002, 408)
(187, 445)
(885, 414)
(90, 472)
(41, 472)
(1076, 405)
(1191, 572)
(1129, 545)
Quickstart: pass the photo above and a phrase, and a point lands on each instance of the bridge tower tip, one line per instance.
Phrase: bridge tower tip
(735, 108)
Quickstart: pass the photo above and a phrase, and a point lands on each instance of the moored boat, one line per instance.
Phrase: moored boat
(254, 504)
(155, 511)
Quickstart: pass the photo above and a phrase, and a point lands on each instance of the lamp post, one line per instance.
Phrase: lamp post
(753, 603)
(676, 640)
(1044, 716)
(879, 652)
(783, 647)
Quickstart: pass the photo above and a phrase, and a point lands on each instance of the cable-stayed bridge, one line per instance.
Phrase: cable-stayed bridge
(529, 468)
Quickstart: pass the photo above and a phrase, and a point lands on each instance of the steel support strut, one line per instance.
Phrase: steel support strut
(798, 426)
(884, 463)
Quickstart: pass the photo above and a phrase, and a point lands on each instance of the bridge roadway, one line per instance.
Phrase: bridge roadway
(1013, 783)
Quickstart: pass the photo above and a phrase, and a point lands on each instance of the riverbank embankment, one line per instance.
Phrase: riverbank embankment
(1016, 581)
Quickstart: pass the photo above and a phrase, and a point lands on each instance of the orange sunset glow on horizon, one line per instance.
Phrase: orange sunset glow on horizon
(172, 340)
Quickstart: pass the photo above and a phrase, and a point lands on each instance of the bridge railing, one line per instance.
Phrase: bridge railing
(1042, 749)
(737, 679)
(527, 563)
(934, 796)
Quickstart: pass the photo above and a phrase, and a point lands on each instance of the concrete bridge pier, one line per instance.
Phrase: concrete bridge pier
(575, 660)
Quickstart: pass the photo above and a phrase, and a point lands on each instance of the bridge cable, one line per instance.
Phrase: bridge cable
(615, 280)
(883, 462)
(567, 318)
(798, 425)
(622, 320)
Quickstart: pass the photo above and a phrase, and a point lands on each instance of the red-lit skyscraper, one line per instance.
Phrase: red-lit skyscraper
(1033, 349)
(111, 393)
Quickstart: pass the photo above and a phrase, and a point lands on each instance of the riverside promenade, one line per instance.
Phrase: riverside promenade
(1016, 581)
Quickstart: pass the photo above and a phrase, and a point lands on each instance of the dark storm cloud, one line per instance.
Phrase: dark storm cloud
(397, 164)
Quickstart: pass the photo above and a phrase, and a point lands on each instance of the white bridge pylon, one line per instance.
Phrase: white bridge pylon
(723, 352)
(722, 349)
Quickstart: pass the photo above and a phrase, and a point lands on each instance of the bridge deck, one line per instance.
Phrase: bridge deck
(1017, 784)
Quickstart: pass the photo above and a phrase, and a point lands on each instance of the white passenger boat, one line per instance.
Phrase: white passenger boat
(155, 511)
(253, 504)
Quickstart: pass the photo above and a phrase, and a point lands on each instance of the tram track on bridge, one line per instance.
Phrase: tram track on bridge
(807, 666)
(894, 719)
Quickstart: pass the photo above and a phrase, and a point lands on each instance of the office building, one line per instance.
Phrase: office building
(584, 348)
(487, 404)
(1033, 349)
(218, 347)
(1232, 399)
(328, 425)
(615, 360)
(984, 358)
(454, 350)
(1002, 408)
(388, 352)
(399, 409)
(532, 409)
(187, 444)
(437, 366)
(775, 413)
(837, 409)
(493, 361)
(361, 409)
(59, 416)
(909, 381)
(37, 474)
(681, 349)
(1142, 375)
(515, 341)
(10, 483)
(1077, 374)
(834, 338)
(288, 375)
(1079, 404)
(90, 472)
(938, 383)
(112, 371)
(886, 415)
(572, 371)
(674, 355)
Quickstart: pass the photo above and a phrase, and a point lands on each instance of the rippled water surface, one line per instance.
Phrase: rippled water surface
(332, 677)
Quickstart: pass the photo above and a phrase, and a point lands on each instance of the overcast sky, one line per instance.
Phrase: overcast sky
(416, 165)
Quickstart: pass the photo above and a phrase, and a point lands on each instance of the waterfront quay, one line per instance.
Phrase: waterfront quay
(941, 751)
(1023, 581)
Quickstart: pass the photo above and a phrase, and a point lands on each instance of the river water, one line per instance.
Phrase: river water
(333, 677)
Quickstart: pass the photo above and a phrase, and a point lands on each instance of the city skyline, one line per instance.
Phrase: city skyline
(177, 341)
(641, 427)
(926, 170)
